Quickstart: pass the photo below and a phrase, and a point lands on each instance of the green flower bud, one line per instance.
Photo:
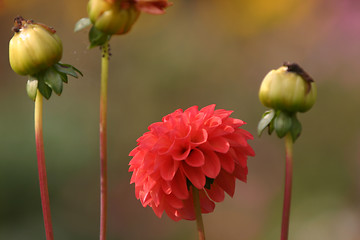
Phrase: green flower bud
(288, 88)
(111, 16)
(33, 48)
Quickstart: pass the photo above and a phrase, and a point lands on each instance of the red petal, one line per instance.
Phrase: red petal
(172, 213)
(236, 140)
(190, 113)
(179, 187)
(168, 167)
(162, 145)
(216, 193)
(227, 162)
(196, 158)
(212, 165)
(219, 144)
(153, 7)
(222, 130)
(241, 173)
(158, 210)
(208, 110)
(180, 151)
(188, 212)
(195, 175)
(166, 187)
(134, 151)
(149, 160)
(206, 204)
(213, 122)
(137, 159)
(199, 137)
(234, 122)
(174, 201)
(222, 113)
(245, 133)
(241, 158)
(227, 182)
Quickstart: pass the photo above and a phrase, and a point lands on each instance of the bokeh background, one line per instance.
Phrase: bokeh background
(198, 53)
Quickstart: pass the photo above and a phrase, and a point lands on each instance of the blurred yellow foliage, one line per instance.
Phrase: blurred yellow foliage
(248, 18)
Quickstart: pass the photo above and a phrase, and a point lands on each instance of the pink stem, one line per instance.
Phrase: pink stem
(197, 208)
(288, 185)
(45, 202)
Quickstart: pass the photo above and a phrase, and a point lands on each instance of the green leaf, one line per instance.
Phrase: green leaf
(31, 87)
(282, 124)
(53, 79)
(64, 77)
(295, 128)
(97, 38)
(67, 69)
(271, 127)
(44, 89)
(265, 121)
(81, 24)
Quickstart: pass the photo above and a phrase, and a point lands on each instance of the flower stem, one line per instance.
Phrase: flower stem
(103, 139)
(288, 183)
(199, 221)
(45, 202)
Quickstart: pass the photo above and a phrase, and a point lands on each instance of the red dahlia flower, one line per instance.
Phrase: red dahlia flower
(205, 149)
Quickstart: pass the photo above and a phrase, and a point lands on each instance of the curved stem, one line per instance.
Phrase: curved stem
(103, 139)
(288, 184)
(199, 221)
(45, 202)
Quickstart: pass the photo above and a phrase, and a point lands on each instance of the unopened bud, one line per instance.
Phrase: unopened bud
(111, 16)
(288, 88)
(33, 48)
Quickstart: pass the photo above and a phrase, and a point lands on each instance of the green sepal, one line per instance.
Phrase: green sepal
(271, 126)
(44, 89)
(81, 24)
(31, 87)
(53, 79)
(282, 123)
(67, 69)
(64, 77)
(97, 37)
(295, 128)
(265, 121)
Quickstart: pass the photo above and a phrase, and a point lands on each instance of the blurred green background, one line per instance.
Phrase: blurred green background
(198, 53)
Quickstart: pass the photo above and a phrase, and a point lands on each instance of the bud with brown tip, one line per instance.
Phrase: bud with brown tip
(286, 90)
(33, 48)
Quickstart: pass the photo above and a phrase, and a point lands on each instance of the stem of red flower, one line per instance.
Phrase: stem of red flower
(103, 139)
(199, 220)
(45, 202)
(288, 184)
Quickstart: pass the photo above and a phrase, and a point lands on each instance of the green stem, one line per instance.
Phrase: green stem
(199, 220)
(44, 193)
(103, 139)
(288, 185)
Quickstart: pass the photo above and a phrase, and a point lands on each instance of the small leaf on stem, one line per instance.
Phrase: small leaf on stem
(265, 121)
(282, 124)
(97, 38)
(82, 24)
(31, 87)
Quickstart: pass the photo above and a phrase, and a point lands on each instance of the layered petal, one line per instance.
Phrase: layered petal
(192, 148)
